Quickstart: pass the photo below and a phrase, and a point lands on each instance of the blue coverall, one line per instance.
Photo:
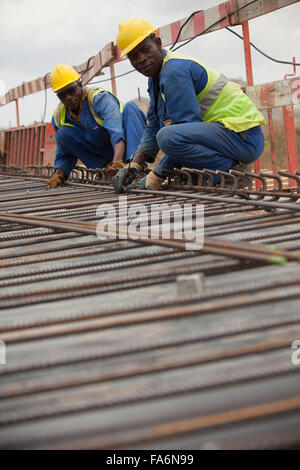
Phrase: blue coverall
(92, 143)
(189, 141)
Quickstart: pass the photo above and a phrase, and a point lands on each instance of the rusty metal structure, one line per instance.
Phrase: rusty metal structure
(30, 145)
(105, 351)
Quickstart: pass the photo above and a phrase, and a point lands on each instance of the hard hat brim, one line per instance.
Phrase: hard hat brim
(66, 84)
(137, 41)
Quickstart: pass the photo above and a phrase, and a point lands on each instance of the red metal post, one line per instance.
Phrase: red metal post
(25, 157)
(113, 80)
(290, 140)
(31, 151)
(21, 133)
(36, 146)
(17, 111)
(247, 52)
(249, 75)
(272, 141)
(17, 141)
(290, 133)
(42, 146)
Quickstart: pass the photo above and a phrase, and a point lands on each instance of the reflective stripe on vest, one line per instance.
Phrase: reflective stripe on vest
(223, 101)
(60, 116)
(212, 94)
(215, 82)
(60, 112)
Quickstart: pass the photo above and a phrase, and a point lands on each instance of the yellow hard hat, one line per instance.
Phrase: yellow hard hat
(62, 75)
(132, 32)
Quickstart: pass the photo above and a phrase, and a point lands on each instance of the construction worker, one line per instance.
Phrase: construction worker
(92, 125)
(197, 117)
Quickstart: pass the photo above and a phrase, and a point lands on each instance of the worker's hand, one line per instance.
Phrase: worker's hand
(125, 176)
(152, 182)
(115, 164)
(140, 184)
(57, 179)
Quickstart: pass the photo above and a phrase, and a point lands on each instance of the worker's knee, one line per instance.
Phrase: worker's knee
(167, 139)
(130, 107)
(64, 135)
(130, 110)
(132, 113)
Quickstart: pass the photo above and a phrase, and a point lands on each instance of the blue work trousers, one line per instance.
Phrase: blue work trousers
(95, 155)
(208, 145)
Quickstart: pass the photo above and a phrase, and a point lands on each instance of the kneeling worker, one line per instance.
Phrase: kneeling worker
(92, 125)
(197, 117)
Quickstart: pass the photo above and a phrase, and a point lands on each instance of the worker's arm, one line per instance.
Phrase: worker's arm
(119, 150)
(180, 85)
(107, 108)
(117, 162)
(127, 175)
(63, 164)
(147, 151)
(57, 179)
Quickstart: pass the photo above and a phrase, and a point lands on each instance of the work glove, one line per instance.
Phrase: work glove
(140, 184)
(152, 181)
(125, 176)
(115, 164)
(56, 180)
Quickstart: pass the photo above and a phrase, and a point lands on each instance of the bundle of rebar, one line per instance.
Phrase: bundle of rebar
(115, 342)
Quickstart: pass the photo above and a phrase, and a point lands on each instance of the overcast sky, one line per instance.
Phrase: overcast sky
(35, 35)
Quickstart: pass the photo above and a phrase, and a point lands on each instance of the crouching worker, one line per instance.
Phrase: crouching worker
(92, 125)
(197, 117)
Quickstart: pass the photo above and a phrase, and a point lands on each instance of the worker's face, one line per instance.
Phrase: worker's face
(71, 95)
(147, 57)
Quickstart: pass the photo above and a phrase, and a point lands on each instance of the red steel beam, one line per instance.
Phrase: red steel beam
(113, 80)
(229, 13)
(88, 70)
(249, 75)
(290, 138)
(247, 52)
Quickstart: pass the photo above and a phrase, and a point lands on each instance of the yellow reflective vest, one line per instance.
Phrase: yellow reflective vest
(223, 101)
(60, 112)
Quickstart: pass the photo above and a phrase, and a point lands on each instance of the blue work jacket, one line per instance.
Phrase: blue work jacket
(180, 81)
(90, 133)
